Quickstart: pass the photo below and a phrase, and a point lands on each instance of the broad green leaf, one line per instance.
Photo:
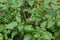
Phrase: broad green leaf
(2, 27)
(13, 33)
(45, 5)
(20, 3)
(27, 37)
(45, 1)
(38, 30)
(43, 24)
(30, 2)
(12, 2)
(55, 7)
(57, 35)
(1, 36)
(37, 35)
(3, 0)
(18, 18)
(50, 22)
(55, 1)
(49, 13)
(9, 39)
(47, 35)
(20, 27)
(11, 25)
(58, 15)
(58, 23)
(6, 32)
(28, 28)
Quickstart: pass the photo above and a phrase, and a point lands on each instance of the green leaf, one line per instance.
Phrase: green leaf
(45, 1)
(20, 3)
(28, 28)
(50, 23)
(11, 25)
(55, 1)
(3, 0)
(49, 13)
(18, 18)
(2, 27)
(20, 27)
(1, 36)
(58, 23)
(47, 35)
(6, 32)
(55, 7)
(13, 33)
(57, 35)
(38, 30)
(37, 35)
(43, 24)
(27, 37)
(12, 2)
(58, 15)
(1, 15)
(30, 2)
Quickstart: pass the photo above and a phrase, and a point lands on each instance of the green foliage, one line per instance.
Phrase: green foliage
(1, 36)
(29, 19)
(27, 37)
(30, 2)
(11, 25)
